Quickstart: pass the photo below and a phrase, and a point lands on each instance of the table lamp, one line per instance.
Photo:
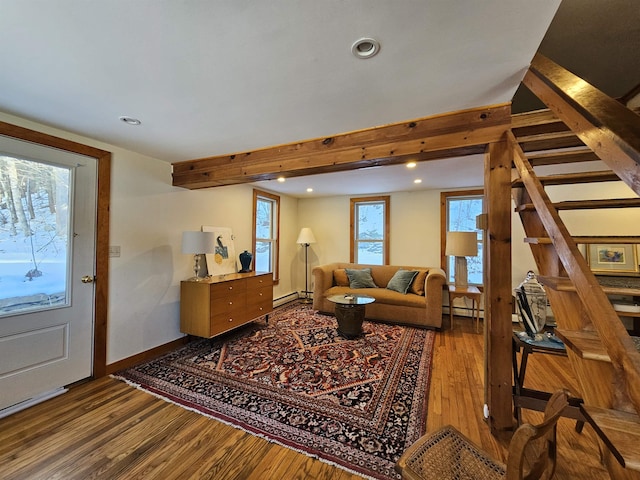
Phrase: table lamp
(461, 245)
(198, 243)
(306, 238)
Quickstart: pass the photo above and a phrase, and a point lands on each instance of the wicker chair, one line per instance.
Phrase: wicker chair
(448, 454)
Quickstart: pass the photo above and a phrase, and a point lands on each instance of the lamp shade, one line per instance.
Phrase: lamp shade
(198, 242)
(306, 236)
(462, 244)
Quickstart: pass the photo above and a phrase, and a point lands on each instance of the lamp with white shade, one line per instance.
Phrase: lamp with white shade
(461, 245)
(198, 243)
(306, 238)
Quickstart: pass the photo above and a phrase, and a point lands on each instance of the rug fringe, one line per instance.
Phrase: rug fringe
(270, 440)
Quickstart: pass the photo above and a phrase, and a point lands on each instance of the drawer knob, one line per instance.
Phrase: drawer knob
(260, 294)
(231, 319)
(230, 288)
(261, 309)
(230, 303)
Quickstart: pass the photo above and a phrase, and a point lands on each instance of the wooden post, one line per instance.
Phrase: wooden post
(497, 280)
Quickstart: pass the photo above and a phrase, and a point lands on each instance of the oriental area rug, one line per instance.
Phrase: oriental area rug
(357, 404)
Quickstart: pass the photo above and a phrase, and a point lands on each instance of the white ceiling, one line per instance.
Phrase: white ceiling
(211, 77)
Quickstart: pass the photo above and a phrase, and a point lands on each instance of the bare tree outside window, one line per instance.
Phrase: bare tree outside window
(370, 230)
(34, 234)
(460, 210)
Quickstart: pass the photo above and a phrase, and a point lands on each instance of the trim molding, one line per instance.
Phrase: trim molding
(146, 355)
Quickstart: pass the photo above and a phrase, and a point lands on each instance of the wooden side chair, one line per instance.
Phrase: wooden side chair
(448, 454)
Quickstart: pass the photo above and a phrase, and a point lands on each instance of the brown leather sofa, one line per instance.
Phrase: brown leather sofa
(421, 306)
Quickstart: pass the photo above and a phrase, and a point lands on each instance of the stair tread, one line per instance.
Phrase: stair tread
(564, 284)
(586, 344)
(549, 141)
(619, 430)
(574, 178)
(563, 156)
(587, 204)
(624, 239)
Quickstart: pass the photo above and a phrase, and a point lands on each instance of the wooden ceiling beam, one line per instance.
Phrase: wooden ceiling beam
(442, 136)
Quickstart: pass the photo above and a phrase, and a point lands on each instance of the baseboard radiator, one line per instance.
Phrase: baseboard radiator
(290, 297)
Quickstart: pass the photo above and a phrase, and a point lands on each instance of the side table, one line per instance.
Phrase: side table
(350, 312)
(470, 292)
(535, 399)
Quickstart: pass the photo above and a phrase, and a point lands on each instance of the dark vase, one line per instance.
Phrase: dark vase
(245, 261)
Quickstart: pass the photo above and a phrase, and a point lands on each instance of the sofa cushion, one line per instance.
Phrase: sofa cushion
(340, 277)
(360, 278)
(417, 286)
(382, 295)
(401, 280)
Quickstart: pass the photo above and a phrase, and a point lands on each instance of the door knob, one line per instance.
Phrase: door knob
(88, 279)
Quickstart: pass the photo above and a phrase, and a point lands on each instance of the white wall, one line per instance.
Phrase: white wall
(148, 216)
(415, 225)
(415, 228)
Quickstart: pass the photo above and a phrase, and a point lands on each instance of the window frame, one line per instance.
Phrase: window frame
(444, 217)
(386, 200)
(275, 260)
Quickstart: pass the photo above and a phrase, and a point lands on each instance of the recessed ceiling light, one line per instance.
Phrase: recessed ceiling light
(411, 165)
(365, 48)
(417, 180)
(309, 189)
(130, 120)
(281, 179)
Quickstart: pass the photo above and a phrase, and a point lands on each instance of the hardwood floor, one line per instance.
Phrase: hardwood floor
(106, 429)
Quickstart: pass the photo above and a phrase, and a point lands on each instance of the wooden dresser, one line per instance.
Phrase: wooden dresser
(219, 304)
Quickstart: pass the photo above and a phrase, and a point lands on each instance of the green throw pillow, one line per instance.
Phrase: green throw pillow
(401, 280)
(360, 278)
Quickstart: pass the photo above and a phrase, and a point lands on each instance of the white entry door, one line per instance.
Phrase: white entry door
(47, 246)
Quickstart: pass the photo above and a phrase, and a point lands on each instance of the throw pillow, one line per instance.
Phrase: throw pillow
(360, 278)
(417, 286)
(340, 277)
(401, 280)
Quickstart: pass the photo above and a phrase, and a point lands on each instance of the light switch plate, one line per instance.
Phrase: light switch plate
(114, 250)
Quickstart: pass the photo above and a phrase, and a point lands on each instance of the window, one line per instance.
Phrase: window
(35, 220)
(459, 211)
(266, 232)
(370, 230)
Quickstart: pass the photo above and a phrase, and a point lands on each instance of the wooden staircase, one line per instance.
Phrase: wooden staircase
(601, 352)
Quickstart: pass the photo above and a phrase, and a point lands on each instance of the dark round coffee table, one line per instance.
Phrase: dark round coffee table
(350, 313)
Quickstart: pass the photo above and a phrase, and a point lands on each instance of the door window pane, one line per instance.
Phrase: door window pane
(34, 235)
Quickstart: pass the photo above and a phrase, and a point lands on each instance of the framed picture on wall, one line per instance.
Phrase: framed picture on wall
(612, 258)
(223, 260)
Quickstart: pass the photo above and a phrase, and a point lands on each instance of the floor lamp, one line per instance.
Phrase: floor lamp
(305, 239)
(461, 245)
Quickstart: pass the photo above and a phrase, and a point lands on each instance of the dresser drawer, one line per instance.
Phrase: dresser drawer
(259, 302)
(259, 281)
(222, 289)
(225, 321)
(227, 302)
